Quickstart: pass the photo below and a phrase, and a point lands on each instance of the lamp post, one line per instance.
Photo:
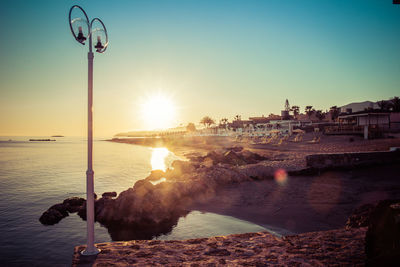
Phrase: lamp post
(82, 30)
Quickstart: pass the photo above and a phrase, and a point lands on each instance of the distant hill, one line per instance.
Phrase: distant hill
(360, 106)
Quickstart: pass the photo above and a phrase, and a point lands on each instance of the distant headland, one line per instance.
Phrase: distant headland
(42, 140)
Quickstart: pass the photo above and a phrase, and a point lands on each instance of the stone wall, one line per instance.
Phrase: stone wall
(349, 160)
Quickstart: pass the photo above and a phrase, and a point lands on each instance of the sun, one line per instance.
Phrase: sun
(158, 111)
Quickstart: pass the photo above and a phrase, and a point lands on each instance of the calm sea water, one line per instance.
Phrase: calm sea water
(36, 175)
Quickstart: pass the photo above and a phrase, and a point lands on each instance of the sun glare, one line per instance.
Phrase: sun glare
(158, 112)
(158, 157)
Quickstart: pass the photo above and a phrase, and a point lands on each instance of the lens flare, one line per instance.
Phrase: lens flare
(281, 176)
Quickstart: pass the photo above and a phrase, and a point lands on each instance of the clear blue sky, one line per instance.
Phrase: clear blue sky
(217, 58)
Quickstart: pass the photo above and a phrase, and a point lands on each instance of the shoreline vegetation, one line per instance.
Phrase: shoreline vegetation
(288, 187)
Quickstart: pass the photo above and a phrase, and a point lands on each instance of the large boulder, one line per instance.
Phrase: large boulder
(236, 157)
(251, 157)
(73, 204)
(181, 167)
(82, 211)
(360, 216)
(104, 209)
(233, 158)
(235, 148)
(155, 175)
(61, 208)
(382, 241)
(150, 205)
(51, 216)
(109, 194)
(142, 187)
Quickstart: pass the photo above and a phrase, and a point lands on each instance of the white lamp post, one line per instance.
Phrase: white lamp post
(82, 30)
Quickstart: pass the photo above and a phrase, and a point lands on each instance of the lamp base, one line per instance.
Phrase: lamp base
(86, 252)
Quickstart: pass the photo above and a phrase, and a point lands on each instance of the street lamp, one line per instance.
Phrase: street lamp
(82, 30)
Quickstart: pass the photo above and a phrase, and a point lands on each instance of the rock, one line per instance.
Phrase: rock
(61, 208)
(103, 209)
(207, 162)
(51, 216)
(155, 175)
(360, 216)
(236, 148)
(251, 157)
(82, 212)
(215, 156)
(157, 206)
(233, 158)
(382, 241)
(142, 187)
(217, 252)
(109, 194)
(73, 204)
(181, 167)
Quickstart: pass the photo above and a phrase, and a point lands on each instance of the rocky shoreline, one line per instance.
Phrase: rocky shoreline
(371, 237)
(329, 248)
(154, 205)
(162, 197)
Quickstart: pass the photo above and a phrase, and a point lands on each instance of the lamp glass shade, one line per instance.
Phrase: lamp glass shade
(80, 28)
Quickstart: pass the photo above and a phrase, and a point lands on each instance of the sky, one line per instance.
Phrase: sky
(216, 58)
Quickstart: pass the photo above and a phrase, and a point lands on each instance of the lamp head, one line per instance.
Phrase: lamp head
(80, 37)
(99, 47)
(79, 24)
(98, 29)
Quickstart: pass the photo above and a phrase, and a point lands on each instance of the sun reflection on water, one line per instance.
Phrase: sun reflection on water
(158, 158)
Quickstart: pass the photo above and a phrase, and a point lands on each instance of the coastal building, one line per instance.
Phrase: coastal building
(368, 124)
(395, 121)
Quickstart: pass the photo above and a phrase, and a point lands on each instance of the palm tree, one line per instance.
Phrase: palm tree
(309, 111)
(395, 101)
(207, 121)
(320, 115)
(223, 123)
(384, 105)
(295, 110)
(334, 111)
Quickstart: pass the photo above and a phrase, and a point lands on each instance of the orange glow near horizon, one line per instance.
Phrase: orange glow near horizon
(158, 111)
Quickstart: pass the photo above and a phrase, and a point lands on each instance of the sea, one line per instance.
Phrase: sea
(35, 175)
